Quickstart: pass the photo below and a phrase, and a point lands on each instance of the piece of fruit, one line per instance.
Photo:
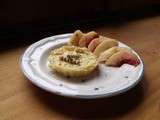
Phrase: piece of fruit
(94, 43)
(87, 38)
(74, 40)
(106, 54)
(122, 57)
(109, 52)
(104, 45)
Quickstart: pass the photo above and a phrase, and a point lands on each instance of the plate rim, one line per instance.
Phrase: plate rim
(38, 84)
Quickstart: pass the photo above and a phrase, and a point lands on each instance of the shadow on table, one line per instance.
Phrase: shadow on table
(111, 107)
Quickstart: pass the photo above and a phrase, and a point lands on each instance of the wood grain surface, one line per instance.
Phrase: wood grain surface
(20, 100)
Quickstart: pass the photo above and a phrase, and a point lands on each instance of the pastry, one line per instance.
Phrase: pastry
(72, 61)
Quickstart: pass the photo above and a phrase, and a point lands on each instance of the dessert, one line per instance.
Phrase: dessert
(72, 61)
(106, 54)
(122, 57)
(106, 49)
(94, 43)
(109, 52)
(105, 44)
(74, 40)
(87, 38)
(116, 56)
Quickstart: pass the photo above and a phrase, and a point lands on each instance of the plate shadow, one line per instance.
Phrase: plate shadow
(101, 108)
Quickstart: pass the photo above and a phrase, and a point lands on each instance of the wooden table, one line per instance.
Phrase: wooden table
(20, 100)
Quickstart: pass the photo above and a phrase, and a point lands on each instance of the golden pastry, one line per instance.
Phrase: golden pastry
(72, 61)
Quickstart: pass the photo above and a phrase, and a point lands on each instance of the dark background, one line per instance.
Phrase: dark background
(35, 18)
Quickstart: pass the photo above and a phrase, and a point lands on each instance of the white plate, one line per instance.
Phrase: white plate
(107, 82)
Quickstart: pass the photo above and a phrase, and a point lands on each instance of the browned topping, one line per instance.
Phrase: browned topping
(71, 58)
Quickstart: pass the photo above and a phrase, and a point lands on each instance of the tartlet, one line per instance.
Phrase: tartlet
(72, 61)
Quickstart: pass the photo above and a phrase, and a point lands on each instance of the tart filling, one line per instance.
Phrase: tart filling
(72, 61)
